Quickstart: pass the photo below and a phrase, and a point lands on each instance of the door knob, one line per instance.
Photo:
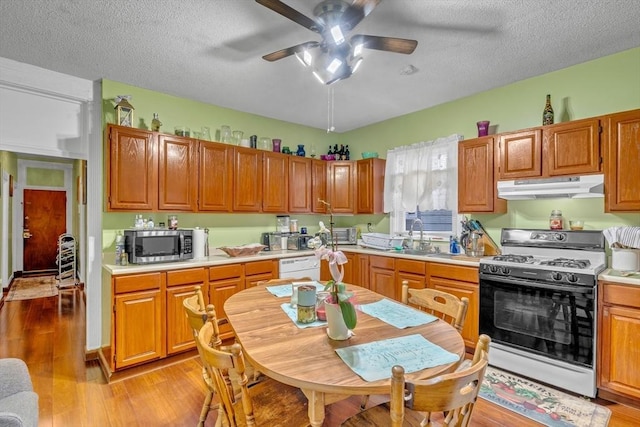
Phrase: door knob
(26, 235)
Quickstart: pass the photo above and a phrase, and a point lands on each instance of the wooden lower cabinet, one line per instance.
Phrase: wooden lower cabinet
(461, 281)
(224, 281)
(412, 271)
(258, 271)
(180, 285)
(382, 276)
(618, 350)
(138, 327)
(362, 278)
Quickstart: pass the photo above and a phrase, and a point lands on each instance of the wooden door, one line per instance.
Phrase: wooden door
(318, 185)
(247, 179)
(177, 173)
(622, 172)
(45, 219)
(215, 177)
(145, 340)
(476, 179)
(275, 182)
(300, 185)
(132, 170)
(341, 186)
(572, 148)
(521, 154)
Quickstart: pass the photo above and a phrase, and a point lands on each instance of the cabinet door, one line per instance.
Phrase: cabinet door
(363, 270)
(619, 370)
(463, 289)
(383, 282)
(622, 151)
(139, 328)
(572, 148)
(370, 183)
(132, 170)
(219, 291)
(341, 186)
(521, 154)
(275, 182)
(350, 269)
(177, 173)
(300, 184)
(412, 271)
(318, 185)
(476, 177)
(215, 177)
(247, 179)
(180, 285)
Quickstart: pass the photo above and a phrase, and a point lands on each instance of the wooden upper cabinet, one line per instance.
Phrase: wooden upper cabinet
(247, 179)
(476, 177)
(520, 154)
(572, 148)
(300, 184)
(622, 161)
(318, 185)
(177, 173)
(275, 182)
(132, 169)
(341, 186)
(215, 188)
(370, 183)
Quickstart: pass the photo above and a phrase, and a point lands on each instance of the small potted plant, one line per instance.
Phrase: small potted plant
(340, 311)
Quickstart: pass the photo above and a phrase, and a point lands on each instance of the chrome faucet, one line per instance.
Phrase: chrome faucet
(419, 221)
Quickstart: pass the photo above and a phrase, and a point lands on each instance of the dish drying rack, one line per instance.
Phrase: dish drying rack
(67, 262)
(381, 241)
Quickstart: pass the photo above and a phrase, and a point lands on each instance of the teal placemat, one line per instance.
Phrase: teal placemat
(282, 291)
(396, 314)
(373, 361)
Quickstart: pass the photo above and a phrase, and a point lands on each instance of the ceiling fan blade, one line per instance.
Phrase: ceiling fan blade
(389, 44)
(357, 12)
(283, 53)
(292, 14)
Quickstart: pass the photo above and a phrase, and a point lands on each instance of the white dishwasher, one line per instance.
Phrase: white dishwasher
(299, 267)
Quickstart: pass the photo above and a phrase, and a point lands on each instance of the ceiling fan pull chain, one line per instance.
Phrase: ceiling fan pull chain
(330, 105)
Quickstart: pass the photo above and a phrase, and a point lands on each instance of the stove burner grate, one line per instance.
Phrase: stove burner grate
(567, 262)
(521, 259)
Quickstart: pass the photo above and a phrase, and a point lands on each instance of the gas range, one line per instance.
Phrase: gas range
(562, 257)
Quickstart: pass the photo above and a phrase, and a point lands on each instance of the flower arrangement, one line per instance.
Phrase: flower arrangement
(337, 290)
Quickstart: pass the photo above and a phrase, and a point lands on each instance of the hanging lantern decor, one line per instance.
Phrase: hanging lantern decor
(124, 110)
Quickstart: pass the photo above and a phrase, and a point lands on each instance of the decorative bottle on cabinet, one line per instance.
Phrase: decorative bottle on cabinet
(155, 123)
(547, 113)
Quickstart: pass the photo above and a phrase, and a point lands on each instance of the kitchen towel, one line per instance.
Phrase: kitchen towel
(198, 243)
(623, 237)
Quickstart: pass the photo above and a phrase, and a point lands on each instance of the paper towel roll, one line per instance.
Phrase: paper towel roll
(198, 243)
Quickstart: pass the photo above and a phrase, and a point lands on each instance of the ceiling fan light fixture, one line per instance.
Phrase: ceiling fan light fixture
(356, 64)
(304, 57)
(357, 49)
(317, 76)
(336, 34)
(334, 65)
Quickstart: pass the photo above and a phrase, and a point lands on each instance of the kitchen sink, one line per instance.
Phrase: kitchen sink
(425, 253)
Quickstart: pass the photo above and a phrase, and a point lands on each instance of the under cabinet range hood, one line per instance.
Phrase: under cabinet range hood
(584, 186)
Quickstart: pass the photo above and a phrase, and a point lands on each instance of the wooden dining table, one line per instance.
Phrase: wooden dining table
(306, 357)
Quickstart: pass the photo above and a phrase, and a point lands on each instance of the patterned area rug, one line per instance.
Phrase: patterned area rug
(545, 405)
(32, 287)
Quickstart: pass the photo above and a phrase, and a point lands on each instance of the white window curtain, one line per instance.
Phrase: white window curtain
(423, 175)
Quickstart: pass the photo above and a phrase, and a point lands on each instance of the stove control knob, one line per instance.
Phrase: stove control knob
(556, 276)
(572, 278)
(506, 270)
(560, 236)
(493, 268)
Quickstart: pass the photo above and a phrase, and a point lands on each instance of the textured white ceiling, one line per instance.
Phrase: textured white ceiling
(210, 50)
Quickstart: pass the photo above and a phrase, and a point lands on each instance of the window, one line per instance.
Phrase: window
(421, 181)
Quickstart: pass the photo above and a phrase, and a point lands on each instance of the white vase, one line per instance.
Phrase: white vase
(336, 328)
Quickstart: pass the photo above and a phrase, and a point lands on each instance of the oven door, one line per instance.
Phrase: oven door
(549, 319)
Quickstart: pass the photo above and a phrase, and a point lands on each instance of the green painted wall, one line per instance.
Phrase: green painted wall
(602, 86)
(45, 177)
(8, 164)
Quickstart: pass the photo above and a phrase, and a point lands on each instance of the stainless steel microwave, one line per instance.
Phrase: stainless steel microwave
(345, 235)
(158, 245)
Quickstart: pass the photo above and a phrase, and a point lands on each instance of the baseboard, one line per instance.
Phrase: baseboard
(91, 355)
(119, 375)
(615, 397)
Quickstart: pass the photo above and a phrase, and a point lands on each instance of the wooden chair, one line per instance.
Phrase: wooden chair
(448, 307)
(267, 403)
(195, 310)
(414, 403)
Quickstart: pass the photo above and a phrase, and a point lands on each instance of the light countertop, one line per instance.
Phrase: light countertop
(611, 275)
(218, 257)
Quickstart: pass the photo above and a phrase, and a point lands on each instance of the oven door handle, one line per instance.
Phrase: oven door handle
(533, 284)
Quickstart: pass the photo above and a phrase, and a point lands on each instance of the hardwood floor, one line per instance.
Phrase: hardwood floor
(48, 333)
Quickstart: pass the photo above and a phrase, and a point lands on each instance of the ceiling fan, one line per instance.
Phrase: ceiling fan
(334, 58)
